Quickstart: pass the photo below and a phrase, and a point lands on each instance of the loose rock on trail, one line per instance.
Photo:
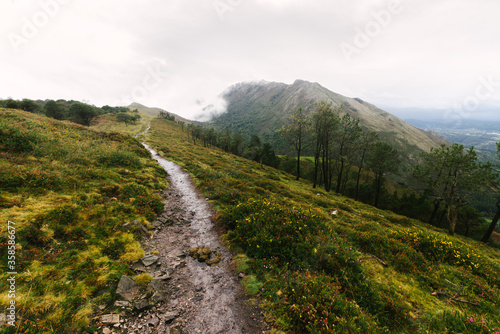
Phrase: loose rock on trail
(187, 295)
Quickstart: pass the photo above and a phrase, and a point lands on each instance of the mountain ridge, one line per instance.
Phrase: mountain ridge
(263, 107)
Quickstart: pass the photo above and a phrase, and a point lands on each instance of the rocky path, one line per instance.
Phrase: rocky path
(186, 295)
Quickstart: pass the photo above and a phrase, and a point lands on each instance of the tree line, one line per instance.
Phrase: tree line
(253, 149)
(74, 111)
(341, 149)
(449, 175)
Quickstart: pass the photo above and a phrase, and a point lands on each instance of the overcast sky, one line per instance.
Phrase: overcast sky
(408, 57)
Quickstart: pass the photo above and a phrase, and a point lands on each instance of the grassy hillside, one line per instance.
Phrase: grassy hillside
(109, 123)
(147, 111)
(361, 270)
(69, 190)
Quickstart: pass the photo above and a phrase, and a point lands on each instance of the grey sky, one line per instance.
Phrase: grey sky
(413, 58)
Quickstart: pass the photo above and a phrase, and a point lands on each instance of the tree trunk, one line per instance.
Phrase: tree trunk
(492, 226)
(345, 180)
(316, 163)
(339, 178)
(325, 170)
(441, 218)
(357, 184)
(378, 187)
(298, 165)
(315, 177)
(437, 204)
(453, 221)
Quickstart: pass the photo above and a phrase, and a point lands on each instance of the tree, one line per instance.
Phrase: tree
(12, 104)
(325, 121)
(296, 133)
(366, 142)
(226, 140)
(451, 174)
(54, 110)
(469, 219)
(269, 158)
(194, 131)
(166, 115)
(237, 144)
(346, 137)
(29, 105)
(494, 222)
(209, 137)
(383, 159)
(254, 149)
(126, 118)
(82, 113)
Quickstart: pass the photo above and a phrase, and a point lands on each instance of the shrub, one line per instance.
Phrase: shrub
(17, 139)
(120, 158)
(314, 303)
(268, 230)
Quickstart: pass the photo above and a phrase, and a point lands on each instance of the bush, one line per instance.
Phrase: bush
(17, 139)
(268, 230)
(119, 158)
(438, 248)
(314, 303)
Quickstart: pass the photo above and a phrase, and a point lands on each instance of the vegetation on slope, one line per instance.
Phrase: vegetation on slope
(322, 263)
(74, 111)
(69, 190)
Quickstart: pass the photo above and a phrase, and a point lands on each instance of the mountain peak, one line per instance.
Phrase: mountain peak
(301, 82)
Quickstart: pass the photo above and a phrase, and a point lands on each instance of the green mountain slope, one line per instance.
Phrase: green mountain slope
(322, 263)
(263, 107)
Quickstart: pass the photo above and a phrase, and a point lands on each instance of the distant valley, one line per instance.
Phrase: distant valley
(483, 135)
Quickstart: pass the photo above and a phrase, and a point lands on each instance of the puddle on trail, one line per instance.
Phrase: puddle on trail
(221, 310)
(181, 181)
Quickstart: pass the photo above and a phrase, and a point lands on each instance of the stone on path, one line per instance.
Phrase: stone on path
(127, 288)
(109, 319)
(149, 259)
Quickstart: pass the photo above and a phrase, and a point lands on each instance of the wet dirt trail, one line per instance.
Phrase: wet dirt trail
(203, 299)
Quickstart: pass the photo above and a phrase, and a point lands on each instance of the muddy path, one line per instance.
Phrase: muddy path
(198, 298)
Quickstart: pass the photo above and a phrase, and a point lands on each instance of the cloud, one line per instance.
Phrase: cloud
(429, 56)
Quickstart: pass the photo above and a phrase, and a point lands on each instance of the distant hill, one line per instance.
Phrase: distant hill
(156, 111)
(263, 107)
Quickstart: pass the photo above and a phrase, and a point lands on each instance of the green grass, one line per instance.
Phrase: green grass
(69, 189)
(321, 273)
